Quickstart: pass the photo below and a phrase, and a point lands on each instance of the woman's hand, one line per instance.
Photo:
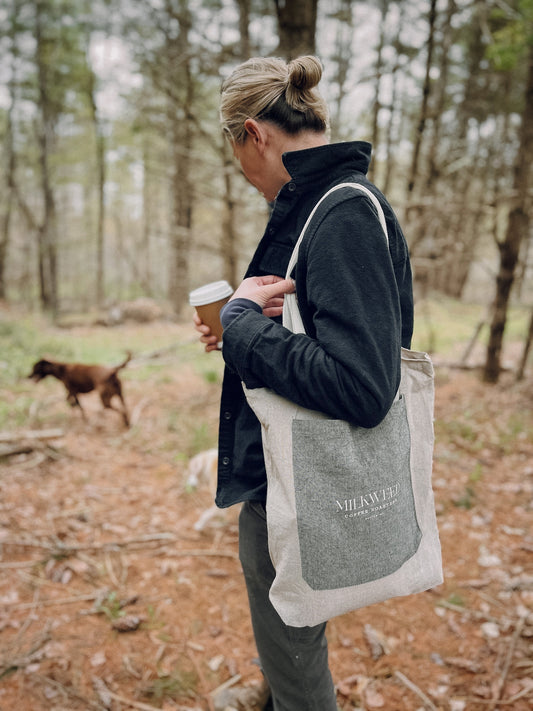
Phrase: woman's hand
(207, 337)
(267, 291)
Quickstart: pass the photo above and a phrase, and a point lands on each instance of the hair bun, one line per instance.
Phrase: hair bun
(304, 72)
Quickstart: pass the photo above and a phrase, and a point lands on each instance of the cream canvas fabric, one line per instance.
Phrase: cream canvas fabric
(350, 511)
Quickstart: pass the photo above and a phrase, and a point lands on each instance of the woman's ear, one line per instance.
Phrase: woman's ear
(255, 131)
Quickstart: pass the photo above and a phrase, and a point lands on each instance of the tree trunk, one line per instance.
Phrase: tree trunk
(228, 244)
(147, 223)
(244, 28)
(390, 161)
(8, 197)
(343, 59)
(424, 111)
(377, 87)
(440, 93)
(517, 231)
(525, 352)
(297, 27)
(46, 234)
(182, 188)
(100, 186)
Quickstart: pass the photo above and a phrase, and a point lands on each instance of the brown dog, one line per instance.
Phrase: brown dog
(79, 378)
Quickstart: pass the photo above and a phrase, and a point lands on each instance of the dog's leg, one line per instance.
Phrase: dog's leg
(125, 414)
(205, 517)
(73, 401)
(106, 396)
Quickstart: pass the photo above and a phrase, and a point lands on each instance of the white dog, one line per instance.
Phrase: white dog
(202, 473)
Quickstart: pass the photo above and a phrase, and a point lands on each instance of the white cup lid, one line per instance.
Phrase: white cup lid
(209, 293)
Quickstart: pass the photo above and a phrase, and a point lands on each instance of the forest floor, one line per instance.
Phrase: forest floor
(110, 599)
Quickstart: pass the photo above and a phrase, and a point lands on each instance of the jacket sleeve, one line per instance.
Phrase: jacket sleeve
(349, 365)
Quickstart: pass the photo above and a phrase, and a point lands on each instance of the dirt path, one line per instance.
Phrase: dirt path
(109, 599)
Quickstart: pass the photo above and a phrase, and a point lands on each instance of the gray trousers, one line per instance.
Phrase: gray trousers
(294, 660)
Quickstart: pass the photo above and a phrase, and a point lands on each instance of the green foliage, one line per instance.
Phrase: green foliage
(212, 376)
(173, 685)
(456, 599)
(442, 324)
(466, 500)
(111, 607)
(202, 438)
(512, 36)
(519, 427)
(22, 342)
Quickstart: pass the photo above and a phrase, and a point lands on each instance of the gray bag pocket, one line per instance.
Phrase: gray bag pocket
(354, 499)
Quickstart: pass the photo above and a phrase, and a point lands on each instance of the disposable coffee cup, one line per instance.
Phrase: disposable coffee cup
(208, 300)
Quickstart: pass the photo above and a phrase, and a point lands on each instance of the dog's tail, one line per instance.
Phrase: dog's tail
(125, 363)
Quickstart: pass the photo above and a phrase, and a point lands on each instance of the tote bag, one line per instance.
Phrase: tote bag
(350, 511)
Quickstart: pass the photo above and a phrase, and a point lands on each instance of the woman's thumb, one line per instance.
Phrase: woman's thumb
(284, 286)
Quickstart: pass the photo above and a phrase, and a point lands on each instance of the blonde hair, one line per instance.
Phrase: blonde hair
(270, 89)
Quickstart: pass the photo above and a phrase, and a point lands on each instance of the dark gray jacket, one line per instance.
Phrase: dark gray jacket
(355, 297)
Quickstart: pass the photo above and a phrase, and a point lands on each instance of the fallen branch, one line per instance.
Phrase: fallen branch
(227, 684)
(65, 549)
(14, 449)
(416, 690)
(207, 554)
(30, 434)
(501, 702)
(12, 661)
(58, 547)
(459, 365)
(470, 613)
(69, 692)
(21, 564)
(105, 693)
(203, 682)
(50, 602)
(496, 699)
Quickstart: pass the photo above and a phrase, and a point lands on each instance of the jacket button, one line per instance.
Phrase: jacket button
(292, 187)
(227, 415)
(225, 461)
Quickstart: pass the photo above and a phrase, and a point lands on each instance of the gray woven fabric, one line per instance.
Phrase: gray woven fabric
(354, 500)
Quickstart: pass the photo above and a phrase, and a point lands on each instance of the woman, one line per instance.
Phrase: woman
(355, 296)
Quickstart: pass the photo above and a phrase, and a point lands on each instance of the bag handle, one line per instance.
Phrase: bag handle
(356, 186)
(291, 313)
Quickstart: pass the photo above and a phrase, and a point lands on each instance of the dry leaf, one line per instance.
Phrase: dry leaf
(98, 659)
(465, 664)
(373, 698)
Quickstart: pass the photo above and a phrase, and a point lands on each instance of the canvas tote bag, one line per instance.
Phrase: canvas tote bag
(350, 511)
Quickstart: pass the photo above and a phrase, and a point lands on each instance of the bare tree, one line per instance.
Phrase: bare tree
(181, 125)
(517, 232)
(424, 112)
(383, 9)
(47, 226)
(100, 185)
(297, 27)
(343, 59)
(8, 191)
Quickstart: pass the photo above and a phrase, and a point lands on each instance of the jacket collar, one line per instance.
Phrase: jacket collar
(313, 165)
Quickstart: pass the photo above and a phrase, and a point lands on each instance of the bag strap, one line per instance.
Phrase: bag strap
(292, 318)
(356, 186)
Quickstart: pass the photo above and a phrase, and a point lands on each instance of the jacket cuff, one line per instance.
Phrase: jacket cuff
(238, 339)
(234, 308)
